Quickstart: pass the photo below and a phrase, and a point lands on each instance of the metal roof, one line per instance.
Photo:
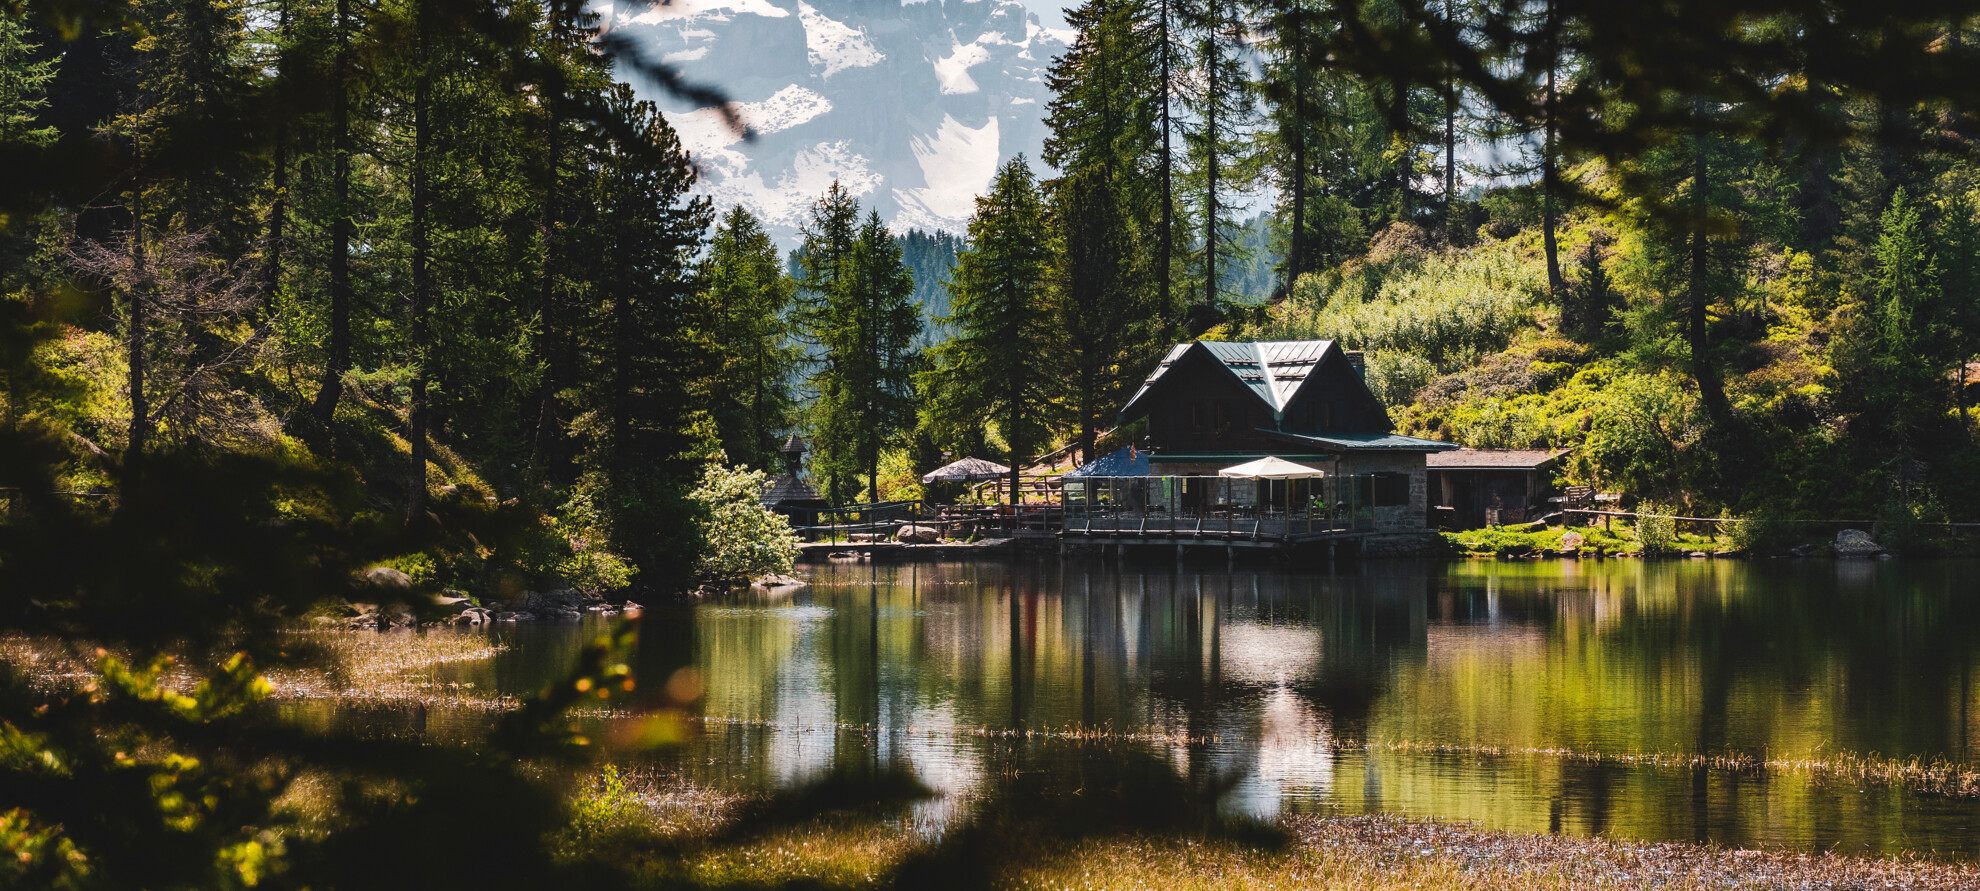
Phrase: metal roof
(1125, 461)
(1356, 442)
(1494, 459)
(1273, 370)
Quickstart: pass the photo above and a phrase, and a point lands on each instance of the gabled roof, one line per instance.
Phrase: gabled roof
(1494, 459)
(1274, 371)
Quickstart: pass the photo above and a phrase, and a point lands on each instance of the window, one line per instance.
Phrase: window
(1327, 415)
(1223, 414)
(1196, 418)
(1391, 490)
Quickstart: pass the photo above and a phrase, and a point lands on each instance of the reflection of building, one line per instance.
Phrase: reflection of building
(1210, 405)
(1471, 488)
(789, 494)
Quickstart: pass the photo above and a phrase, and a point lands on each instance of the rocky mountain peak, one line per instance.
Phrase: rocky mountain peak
(911, 106)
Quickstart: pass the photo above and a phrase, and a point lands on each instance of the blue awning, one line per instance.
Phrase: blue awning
(1121, 462)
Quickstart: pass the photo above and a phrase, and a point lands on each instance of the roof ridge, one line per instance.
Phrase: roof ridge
(1265, 371)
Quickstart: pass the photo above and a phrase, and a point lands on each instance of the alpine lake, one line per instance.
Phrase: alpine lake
(1801, 705)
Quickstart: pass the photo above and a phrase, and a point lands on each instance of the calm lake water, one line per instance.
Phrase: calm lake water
(1446, 690)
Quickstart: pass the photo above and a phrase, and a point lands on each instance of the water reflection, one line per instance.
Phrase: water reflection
(1304, 690)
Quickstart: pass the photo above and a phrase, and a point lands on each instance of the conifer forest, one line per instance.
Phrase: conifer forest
(311, 306)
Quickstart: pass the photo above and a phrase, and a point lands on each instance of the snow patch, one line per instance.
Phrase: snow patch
(689, 55)
(952, 71)
(705, 134)
(957, 163)
(834, 44)
(715, 9)
(787, 202)
(1024, 100)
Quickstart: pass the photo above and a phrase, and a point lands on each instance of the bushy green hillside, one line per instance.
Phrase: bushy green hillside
(1841, 408)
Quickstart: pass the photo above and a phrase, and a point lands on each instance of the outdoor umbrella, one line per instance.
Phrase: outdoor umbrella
(1271, 468)
(966, 470)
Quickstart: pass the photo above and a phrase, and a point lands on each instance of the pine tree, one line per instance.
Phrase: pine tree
(862, 323)
(1105, 323)
(1001, 315)
(744, 320)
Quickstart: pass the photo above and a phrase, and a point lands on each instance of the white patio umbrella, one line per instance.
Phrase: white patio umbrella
(1272, 468)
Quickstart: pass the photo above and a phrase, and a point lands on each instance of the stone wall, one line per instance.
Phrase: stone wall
(1411, 517)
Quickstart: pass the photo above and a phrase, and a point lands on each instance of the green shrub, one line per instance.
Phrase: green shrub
(742, 538)
(608, 805)
(1656, 534)
(1447, 308)
(1756, 531)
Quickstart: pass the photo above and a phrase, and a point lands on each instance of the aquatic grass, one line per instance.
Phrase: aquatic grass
(345, 666)
(380, 665)
(1932, 776)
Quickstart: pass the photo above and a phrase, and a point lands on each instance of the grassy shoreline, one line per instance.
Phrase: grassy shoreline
(673, 835)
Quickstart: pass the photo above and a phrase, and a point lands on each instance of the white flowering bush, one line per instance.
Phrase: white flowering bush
(740, 538)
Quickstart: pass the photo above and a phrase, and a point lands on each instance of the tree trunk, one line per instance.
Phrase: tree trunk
(134, 338)
(1711, 390)
(278, 208)
(1210, 169)
(422, 278)
(1296, 243)
(549, 426)
(1406, 173)
(1550, 178)
(331, 390)
(622, 359)
(1450, 129)
(1165, 238)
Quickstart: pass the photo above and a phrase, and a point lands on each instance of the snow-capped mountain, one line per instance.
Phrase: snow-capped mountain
(911, 107)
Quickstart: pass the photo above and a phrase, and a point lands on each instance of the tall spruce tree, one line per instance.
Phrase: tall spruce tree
(1001, 316)
(744, 320)
(1101, 307)
(1221, 102)
(861, 323)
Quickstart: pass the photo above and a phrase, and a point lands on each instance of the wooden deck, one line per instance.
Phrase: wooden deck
(1214, 531)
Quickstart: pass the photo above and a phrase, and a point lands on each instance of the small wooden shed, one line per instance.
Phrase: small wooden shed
(1472, 488)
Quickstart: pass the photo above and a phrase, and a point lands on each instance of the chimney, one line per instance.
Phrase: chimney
(1360, 364)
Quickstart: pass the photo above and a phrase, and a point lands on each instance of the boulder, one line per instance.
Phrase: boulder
(455, 605)
(865, 536)
(1572, 541)
(516, 616)
(918, 535)
(1855, 543)
(775, 580)
(387, 578)
(553, 600)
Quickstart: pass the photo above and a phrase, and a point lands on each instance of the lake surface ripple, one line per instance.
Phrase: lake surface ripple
(1793, 704)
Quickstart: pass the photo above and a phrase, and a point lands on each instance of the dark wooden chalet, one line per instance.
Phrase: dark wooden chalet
(1211, 405)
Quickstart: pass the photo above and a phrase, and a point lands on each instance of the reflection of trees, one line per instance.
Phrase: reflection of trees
(1613, 657)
